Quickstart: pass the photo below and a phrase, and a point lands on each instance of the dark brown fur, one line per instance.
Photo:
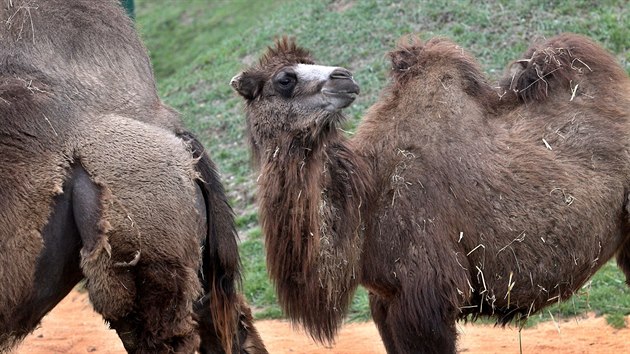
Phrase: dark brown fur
(558, 66)
(475, 204)
(89, 52)
(315, 266)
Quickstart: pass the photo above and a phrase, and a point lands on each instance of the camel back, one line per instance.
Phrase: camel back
(90, 48)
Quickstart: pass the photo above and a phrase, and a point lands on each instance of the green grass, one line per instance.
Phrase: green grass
(197, 46)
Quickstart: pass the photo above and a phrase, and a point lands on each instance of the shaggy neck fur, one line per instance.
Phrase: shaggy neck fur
(312, 190)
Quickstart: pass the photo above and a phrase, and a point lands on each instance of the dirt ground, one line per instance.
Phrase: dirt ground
(73, 327)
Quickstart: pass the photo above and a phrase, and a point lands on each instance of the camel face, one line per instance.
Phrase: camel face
(299, 90)
(287, 93)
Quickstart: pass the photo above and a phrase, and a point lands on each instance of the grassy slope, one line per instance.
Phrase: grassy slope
(197, 46)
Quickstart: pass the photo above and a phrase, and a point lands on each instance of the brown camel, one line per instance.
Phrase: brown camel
(88, 54)
(450, 201)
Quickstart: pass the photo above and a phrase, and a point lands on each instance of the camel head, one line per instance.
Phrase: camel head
(287, 94)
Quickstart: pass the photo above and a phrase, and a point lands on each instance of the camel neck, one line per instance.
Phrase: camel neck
(310, 198)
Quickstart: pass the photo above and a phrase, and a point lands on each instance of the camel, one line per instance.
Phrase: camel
(452, 200)
(87, 55)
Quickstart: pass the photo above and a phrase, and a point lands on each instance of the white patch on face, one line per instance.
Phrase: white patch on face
(307, 72)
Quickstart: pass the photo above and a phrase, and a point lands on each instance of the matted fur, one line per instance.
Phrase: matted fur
(559, 66)
(120, 155)
(478, 204)
(311, 230)
(89, 53)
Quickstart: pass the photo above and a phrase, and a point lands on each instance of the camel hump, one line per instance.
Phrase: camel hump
(559, 65)
(412, 54)
(438, 57)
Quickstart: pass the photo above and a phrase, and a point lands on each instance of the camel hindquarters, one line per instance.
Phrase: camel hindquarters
(141, 250)
(148, 299)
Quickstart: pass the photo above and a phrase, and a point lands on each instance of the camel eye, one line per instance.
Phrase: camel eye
(285, 82)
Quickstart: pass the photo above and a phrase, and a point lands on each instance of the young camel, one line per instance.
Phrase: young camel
(450, 201)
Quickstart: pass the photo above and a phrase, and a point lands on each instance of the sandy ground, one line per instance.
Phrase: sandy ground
(73, 327)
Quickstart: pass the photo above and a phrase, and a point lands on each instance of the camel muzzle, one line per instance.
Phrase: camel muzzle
(340, 89)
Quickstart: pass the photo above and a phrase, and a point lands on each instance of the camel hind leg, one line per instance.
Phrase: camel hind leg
(164, 309)
(623, 254)
(162, 319)
(149, 302)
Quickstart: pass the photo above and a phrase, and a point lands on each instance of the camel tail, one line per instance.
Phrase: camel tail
(220, 273)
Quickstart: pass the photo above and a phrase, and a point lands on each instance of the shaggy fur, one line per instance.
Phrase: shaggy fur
(479, 204)
(89, 54)
(309, 173)
(121, 156)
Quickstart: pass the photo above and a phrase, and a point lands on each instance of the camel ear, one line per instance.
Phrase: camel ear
(247, 86)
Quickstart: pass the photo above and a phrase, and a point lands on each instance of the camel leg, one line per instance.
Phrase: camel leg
(164, 307)
(623, 255)
(623, 260)
(127, 330)
(210, 341)
(421, 330)
(162, 319)
(379, 308)
(247, 339)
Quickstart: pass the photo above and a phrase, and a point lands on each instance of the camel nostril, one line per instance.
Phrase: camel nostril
(341, 74)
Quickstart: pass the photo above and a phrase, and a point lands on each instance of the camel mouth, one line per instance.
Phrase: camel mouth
(338, 100)
(334, 93)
